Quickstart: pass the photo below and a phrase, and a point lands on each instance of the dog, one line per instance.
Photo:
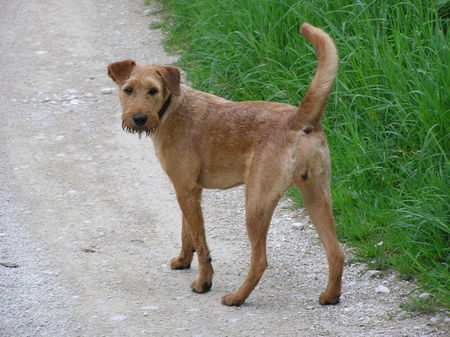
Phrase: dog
(204, 141)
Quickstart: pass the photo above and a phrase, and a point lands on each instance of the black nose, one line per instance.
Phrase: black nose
(140, 119)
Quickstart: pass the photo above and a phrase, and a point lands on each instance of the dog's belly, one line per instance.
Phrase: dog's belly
(221, 179)
(221, 183)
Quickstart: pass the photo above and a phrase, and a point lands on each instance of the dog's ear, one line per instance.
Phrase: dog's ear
(120, 71)
(171, 77)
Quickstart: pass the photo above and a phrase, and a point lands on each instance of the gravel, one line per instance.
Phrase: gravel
(88, 220)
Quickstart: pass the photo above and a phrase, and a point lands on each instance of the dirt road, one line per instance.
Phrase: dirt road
(88, 221)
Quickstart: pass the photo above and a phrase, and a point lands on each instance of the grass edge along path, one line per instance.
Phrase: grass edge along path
(387, 119)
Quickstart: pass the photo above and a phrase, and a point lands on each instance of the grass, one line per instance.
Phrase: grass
(387, 118)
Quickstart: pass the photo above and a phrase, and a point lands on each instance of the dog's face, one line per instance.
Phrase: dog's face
(143, 92)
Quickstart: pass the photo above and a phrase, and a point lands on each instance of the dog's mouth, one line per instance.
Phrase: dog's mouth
(139, 130)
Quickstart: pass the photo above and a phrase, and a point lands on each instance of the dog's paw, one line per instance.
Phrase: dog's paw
(232, 299)
(326, 299)
(201, 287)
(178, 264)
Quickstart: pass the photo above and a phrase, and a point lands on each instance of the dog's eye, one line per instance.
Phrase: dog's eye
(128, 90)
(153, 91)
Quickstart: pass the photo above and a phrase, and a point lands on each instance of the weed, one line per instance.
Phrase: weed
(420, 305)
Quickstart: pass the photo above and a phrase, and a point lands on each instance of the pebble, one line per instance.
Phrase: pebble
(150, 307)
(119, 317)
(373, 273)
(382, 289)
(424, 295)
(107, 91)
(299, 226)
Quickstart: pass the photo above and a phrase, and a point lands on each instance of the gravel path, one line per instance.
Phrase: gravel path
(88, 221)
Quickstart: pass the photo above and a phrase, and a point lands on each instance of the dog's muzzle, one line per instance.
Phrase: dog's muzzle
(140, 119)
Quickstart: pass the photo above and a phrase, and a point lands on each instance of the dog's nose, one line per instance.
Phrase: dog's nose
(140, 119)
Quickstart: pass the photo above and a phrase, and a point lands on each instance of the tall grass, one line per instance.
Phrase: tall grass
(387, 118)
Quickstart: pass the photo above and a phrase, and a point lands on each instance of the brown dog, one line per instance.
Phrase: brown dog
(204, 141)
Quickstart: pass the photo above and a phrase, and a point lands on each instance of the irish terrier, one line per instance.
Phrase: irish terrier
(204, 141)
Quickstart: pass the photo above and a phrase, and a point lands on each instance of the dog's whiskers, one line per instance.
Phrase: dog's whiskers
(146, 132)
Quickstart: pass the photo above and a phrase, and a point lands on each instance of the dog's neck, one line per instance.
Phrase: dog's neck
(165, 107)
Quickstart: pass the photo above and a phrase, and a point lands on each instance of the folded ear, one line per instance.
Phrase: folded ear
(171, 77)
(120, 71)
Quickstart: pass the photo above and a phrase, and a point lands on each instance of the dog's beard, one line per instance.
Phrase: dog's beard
(144, 131)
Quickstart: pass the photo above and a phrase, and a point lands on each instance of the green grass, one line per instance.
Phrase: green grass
(387, 118)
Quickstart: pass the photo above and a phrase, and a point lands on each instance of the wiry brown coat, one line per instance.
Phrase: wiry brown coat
(204, 141)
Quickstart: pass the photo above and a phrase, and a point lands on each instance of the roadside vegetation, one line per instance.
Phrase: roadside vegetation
(387, 119)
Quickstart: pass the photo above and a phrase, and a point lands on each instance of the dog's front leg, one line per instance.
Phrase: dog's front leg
(183, 261)
(189, 201)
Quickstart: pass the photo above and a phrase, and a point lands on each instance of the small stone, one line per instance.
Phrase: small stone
(434, 319)
(150, 307)
(298, 225)
(9, 264)
(107, 91)
(119, 317)
(424, 295)
(382, 289)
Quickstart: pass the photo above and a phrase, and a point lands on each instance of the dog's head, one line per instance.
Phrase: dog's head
(145, 92)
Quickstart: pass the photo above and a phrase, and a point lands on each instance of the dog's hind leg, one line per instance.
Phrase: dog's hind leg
(183, 261)
(263, 191)
(316, 197)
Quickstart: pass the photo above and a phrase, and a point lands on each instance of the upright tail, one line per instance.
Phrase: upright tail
(313, 104)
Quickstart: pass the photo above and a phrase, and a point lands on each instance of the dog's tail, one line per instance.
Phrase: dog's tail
(313, 104)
